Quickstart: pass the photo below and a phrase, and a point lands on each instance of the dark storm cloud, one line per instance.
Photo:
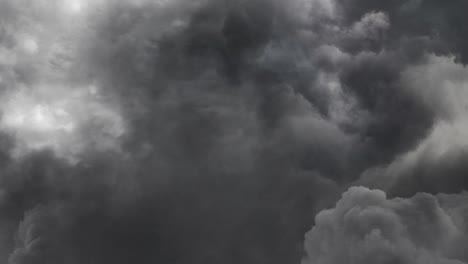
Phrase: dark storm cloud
(242, 119)
(437, 26)
(214, 167)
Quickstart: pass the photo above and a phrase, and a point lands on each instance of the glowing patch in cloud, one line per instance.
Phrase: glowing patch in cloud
(67, 121)
(30, 45)
(74, 6)
(40, 118)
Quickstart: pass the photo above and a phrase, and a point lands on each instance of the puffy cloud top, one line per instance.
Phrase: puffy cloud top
(366, 227)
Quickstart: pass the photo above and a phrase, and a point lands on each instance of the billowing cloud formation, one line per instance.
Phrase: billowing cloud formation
(436, 164)
(366, 227)
(205, 131)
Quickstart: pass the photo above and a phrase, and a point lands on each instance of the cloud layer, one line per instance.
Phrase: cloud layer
(214, 130)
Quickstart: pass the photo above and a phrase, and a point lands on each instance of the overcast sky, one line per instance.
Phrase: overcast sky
(233, 131)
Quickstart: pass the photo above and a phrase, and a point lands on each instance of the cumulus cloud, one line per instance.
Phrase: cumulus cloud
(367, 227)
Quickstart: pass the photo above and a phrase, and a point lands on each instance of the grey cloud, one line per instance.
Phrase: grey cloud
(242, 120)
(436, 163)
(366, 227)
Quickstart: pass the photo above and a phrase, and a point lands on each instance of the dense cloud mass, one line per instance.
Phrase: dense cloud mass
(366, 227)
(220, 131)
